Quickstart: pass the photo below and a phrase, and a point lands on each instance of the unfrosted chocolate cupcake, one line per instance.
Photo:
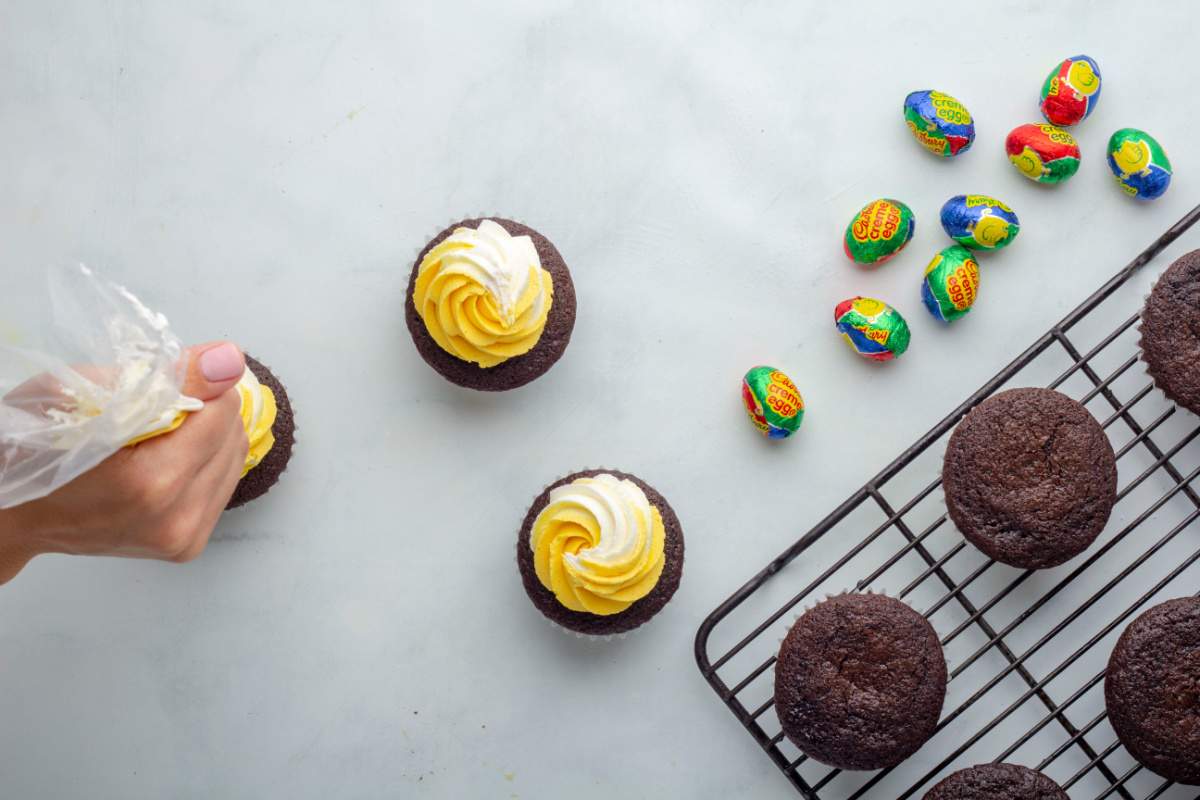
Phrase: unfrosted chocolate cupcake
(1171, 332)
(600, 552)
(1152, 689)
(1030, 478)
(997, 782)
(271, 428)
(860, 682)
(490, 304)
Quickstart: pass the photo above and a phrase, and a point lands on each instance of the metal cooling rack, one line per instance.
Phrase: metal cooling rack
(1026, 650)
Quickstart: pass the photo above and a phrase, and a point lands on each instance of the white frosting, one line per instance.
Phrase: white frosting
(248, 386)
(622, 511)
(503, 264)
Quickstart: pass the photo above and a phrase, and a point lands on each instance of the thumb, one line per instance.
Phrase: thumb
(212, 369)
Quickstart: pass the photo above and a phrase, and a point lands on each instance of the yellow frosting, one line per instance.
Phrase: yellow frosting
(483, 294)
(258, 412)
(172, 425)
(258, 417)
(598, 544)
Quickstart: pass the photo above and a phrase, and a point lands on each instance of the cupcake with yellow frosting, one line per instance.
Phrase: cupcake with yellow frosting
(490, 304)
(600, 552)
(270, 427)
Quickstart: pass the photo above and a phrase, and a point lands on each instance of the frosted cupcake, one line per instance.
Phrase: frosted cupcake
(270, 427)
(600, 552)
(490, 304)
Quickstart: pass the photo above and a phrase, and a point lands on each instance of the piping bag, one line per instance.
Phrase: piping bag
(112, 377)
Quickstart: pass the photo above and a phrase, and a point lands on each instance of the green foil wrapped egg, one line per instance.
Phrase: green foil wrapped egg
(879, 231)
(951, 283)
(1139, 163)
(772, 402)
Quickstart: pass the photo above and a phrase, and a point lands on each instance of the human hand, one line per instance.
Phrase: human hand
(160, 498)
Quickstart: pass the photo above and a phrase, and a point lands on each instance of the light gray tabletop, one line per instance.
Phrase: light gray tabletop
(266, 172)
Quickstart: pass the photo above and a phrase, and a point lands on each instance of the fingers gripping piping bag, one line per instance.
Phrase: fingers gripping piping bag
(111, 378)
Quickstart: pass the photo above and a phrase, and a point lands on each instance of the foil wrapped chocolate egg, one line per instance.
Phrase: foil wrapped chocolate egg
(772, 402)
(1139, 163)
(879, 231)
(979, 222)
(1043, 153)
(951, 283)
(1071, 91)
(872, 328)
(939, 123)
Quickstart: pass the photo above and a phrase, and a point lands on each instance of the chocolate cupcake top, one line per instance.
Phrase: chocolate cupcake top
(1171, 332)
(860, 682)
(997, 782)
(1030, 478)
(1152, 689)
(490, 304)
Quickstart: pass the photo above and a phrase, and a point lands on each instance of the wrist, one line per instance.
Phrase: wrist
(18, 542)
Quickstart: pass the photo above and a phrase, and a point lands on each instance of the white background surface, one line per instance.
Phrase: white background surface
(266, 172)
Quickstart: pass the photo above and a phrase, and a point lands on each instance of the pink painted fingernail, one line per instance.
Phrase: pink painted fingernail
(221, 363)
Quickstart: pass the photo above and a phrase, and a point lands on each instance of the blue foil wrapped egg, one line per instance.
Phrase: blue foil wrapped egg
(1139, 163)
(941, 124)
(980, 222)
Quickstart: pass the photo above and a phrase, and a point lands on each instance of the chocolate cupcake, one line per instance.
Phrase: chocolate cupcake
(997, 782)
(490, 304)
(860, 682)
(1171, 332)
(600, 552)
(1030, 478)
(271, 428)
(1152, 689)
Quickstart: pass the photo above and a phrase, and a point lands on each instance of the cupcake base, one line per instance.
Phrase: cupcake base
(1170, 332)
(1150, 689)
(1030, 478)
(516, 371)
(638, 613)
(259, 480)
(860, 682)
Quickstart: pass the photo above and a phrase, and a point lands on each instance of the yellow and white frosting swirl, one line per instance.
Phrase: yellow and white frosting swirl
(483, 294)
(598, 544)
(258, 412)
(258, 417)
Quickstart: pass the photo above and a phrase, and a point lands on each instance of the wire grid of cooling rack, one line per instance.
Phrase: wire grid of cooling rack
(1026, 650)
